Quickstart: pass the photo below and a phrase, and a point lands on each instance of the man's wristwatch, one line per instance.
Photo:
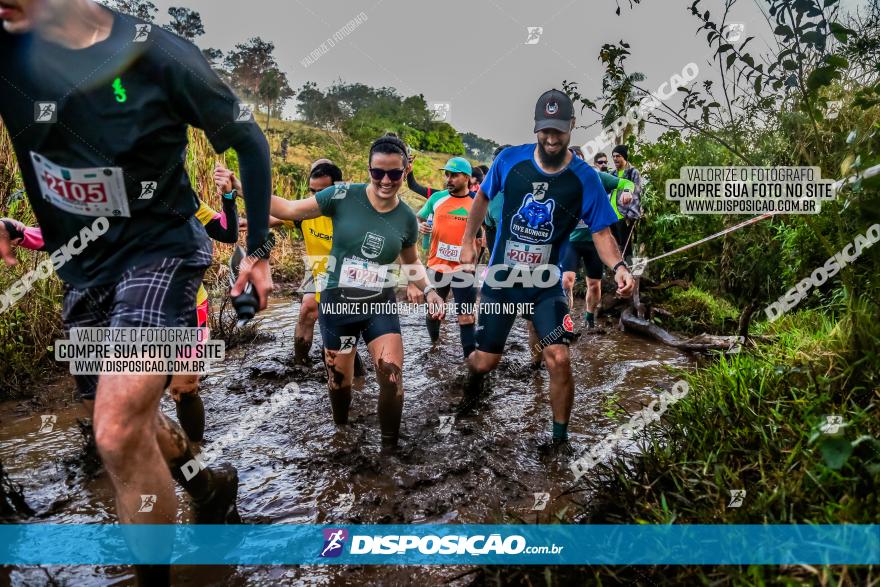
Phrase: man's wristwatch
(620, 264)
(428, 290)
(231, 195)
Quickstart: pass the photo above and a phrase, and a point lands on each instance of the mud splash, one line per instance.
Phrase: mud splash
(297, 468)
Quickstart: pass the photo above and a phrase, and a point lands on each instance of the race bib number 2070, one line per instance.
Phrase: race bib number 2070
(95, 191)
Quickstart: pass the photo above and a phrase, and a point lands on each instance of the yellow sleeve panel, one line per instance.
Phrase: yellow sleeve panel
(205, 213)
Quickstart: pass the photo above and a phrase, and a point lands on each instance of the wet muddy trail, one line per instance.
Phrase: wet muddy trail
(295, 467)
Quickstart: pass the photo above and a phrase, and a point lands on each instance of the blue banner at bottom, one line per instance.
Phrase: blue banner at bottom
(285, 544)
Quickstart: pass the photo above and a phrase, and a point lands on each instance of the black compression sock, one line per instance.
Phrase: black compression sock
(390, 405)
(301, 348)
(560, 431)
(340, 402)
(200, 485)
(474, 383)
(590, 319)
(191, 415)
(433, 329)
(468, 339)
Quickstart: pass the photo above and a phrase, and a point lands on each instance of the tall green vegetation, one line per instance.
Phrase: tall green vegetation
(29, 327)
(812, 102)
(754, 420)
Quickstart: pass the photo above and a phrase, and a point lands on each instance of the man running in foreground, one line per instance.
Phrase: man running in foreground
(449, 210)
(220, 226)
(372, 226)
(88, 115)
(546, 192)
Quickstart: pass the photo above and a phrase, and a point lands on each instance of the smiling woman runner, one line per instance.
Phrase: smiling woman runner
(371, 228)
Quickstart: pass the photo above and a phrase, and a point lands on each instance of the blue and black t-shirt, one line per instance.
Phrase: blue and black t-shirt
(540, 210)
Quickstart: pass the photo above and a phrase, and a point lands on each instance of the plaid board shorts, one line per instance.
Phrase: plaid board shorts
(159, 294)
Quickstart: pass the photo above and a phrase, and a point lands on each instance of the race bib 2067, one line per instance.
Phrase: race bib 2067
(526, 255)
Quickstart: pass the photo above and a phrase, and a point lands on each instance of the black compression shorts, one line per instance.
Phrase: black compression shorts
(343, 320)
(585, 251)
(499, 308)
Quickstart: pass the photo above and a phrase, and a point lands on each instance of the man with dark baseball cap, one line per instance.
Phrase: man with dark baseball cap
(554, 110)
(546, 191)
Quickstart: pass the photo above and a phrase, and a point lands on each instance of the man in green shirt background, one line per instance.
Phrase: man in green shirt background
(580, 246)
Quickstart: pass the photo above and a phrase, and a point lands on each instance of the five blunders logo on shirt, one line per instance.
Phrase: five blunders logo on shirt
(533, 222)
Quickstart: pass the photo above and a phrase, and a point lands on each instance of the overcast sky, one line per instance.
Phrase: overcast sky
(473, 53)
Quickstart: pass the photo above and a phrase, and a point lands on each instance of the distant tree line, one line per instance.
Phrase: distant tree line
(363, 112)
(360, 111)
(250, 67)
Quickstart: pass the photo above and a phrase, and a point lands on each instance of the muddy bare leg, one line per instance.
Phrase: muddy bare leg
(305, 329)
(561, 383)
(178, 450)
(125, 432)
(387, 352)
(480, 364)
(594, 296)
(534, 346)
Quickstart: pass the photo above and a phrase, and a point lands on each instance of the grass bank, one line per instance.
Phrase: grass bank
(754, 421)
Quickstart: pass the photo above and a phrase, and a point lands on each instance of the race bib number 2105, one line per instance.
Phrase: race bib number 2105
(95, 191)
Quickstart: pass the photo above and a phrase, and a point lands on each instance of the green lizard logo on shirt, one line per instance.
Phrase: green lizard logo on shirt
(119, 91)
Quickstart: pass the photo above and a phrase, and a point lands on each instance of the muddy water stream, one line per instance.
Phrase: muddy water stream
(296, 468)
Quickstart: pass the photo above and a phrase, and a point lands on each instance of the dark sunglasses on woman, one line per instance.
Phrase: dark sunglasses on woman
(393, 174)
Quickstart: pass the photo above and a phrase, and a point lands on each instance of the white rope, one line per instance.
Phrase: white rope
(641, 263)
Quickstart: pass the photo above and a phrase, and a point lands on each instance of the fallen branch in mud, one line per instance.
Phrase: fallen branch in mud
(700, 344)
(668, 284)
